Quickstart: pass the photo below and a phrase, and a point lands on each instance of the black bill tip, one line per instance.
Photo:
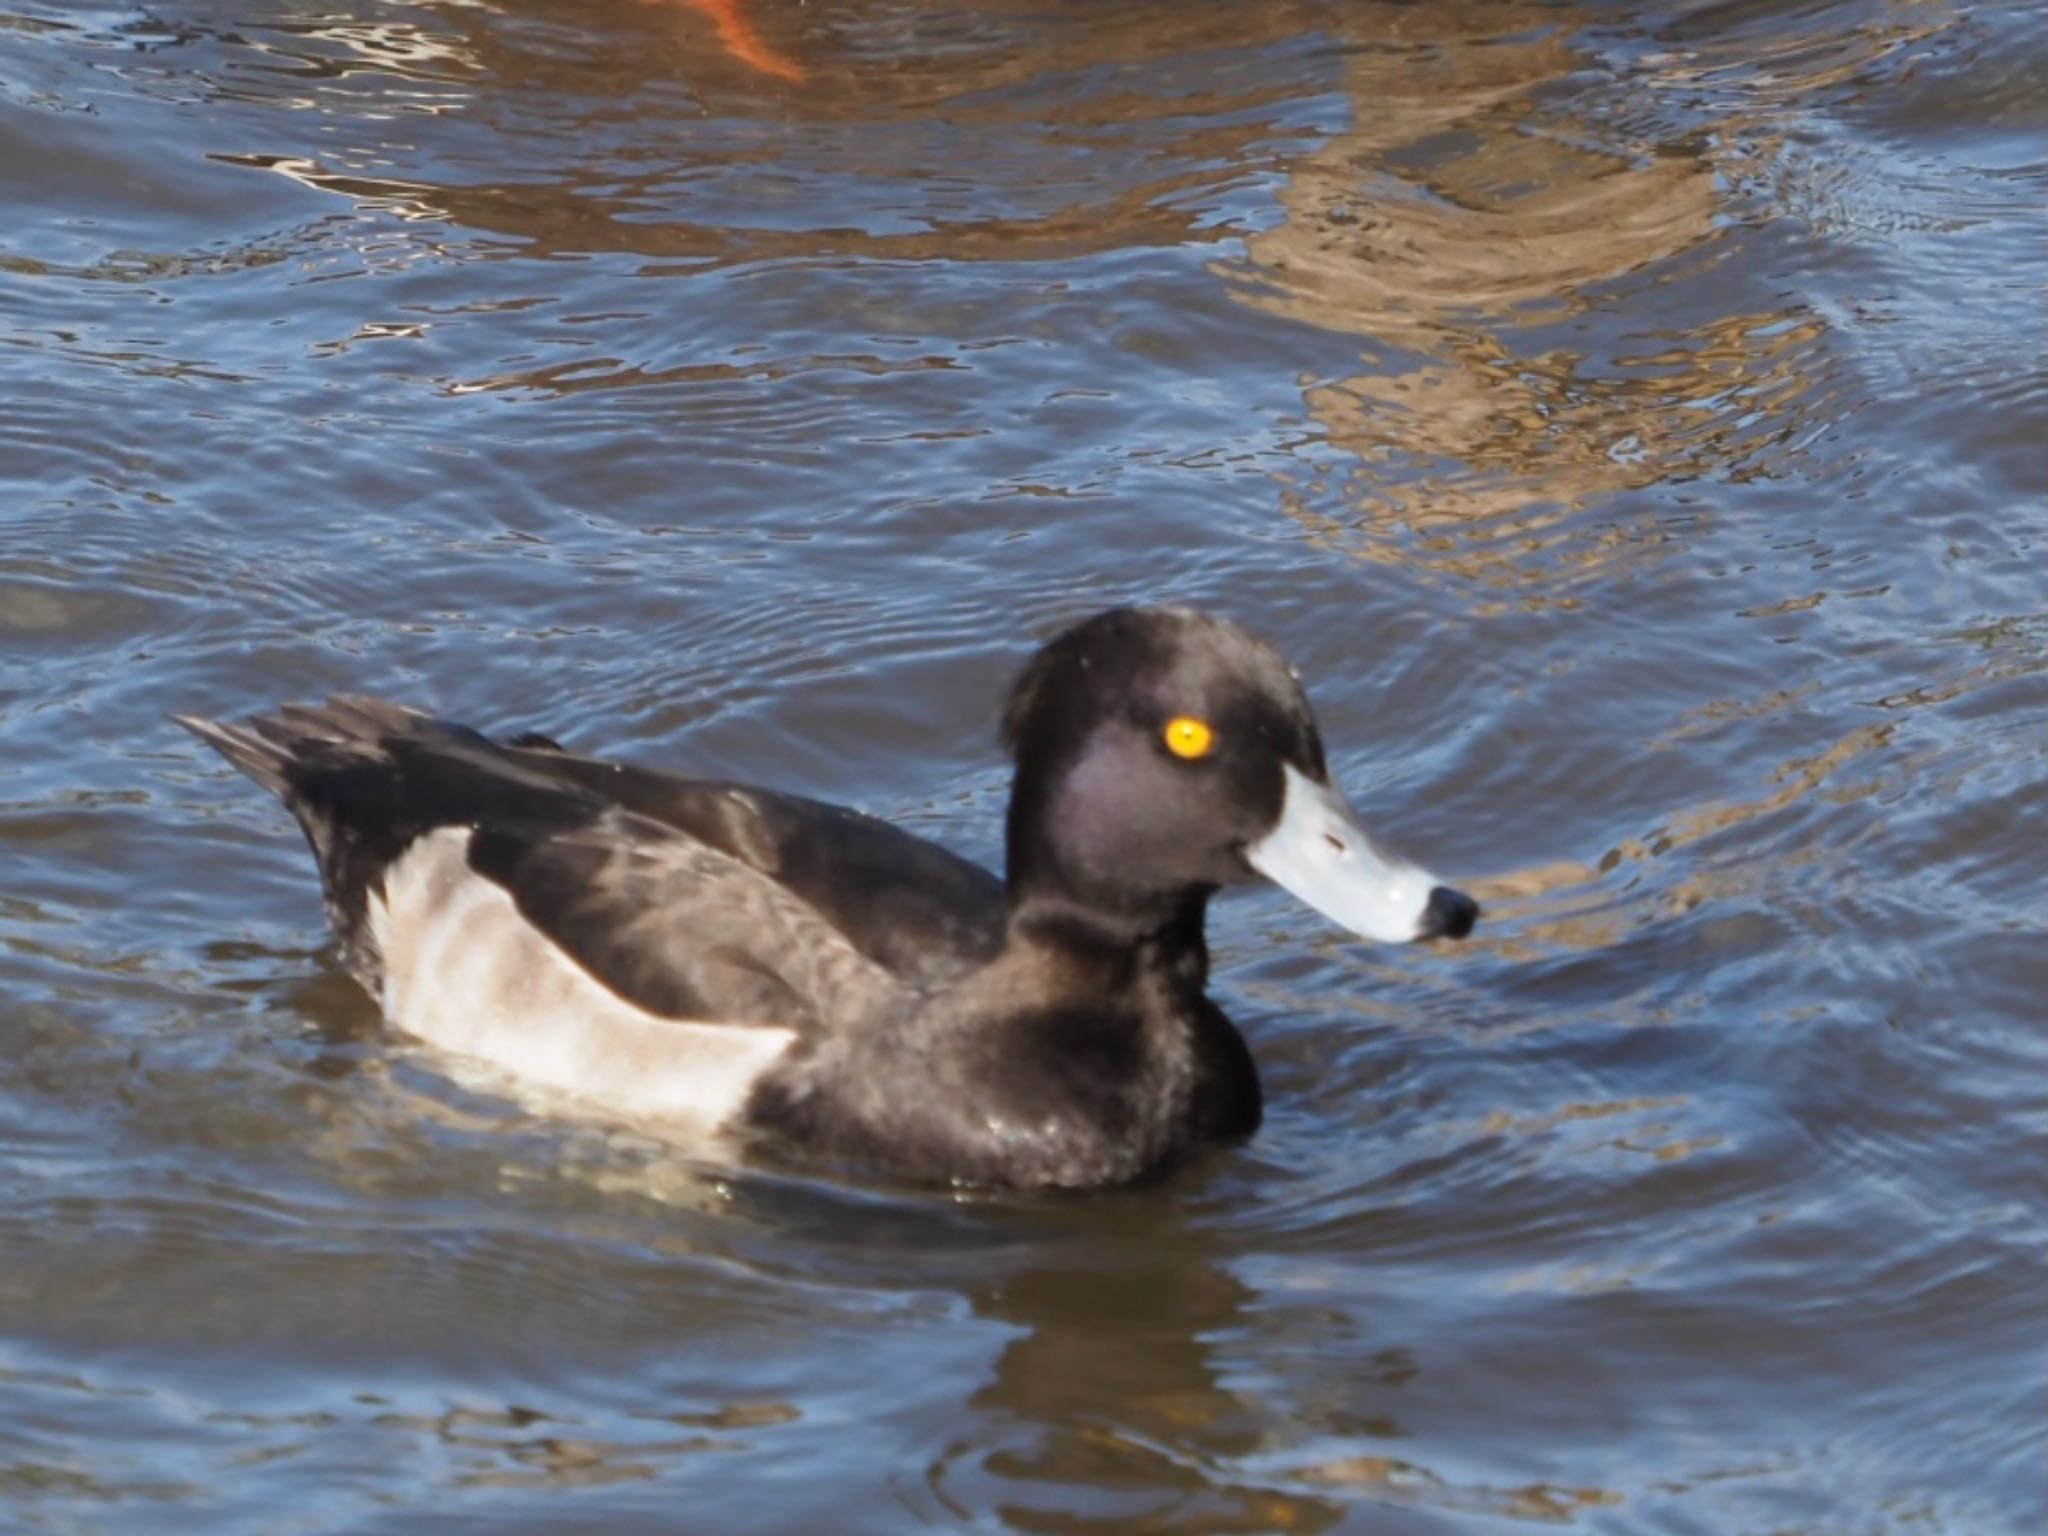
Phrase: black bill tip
(1449, 915)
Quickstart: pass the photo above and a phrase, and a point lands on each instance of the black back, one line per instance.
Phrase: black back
(691, 899)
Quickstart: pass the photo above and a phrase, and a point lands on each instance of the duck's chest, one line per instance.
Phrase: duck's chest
(1062, 1094)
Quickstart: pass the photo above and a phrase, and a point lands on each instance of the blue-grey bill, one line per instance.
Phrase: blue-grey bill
(1320, 853)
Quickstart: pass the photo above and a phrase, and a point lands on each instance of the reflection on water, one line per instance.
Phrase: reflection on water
(737, 34)
(1628, 418)
(1462, 229)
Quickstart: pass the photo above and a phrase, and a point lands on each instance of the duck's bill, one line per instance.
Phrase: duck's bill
(1320, 853)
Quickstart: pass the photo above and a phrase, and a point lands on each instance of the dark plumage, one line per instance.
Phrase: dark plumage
(800, 975)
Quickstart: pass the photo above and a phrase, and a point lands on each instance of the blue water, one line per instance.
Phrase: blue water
(1629, 420)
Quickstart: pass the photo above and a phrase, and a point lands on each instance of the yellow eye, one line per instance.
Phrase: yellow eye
(1188, 737)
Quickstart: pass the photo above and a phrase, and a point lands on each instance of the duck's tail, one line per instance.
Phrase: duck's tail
(302, 754)
(365, 779)
(265, 746)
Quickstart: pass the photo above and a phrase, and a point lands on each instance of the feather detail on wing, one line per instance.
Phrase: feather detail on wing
(688, 898)
(680, 929)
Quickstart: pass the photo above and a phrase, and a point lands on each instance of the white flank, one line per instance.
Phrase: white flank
(465, 972)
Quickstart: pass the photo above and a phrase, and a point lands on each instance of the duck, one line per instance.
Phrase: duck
(800, 982)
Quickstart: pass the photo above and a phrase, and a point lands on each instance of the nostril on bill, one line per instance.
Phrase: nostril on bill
(1449, 914)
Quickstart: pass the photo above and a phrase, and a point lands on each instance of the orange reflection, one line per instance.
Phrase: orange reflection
(736, 31)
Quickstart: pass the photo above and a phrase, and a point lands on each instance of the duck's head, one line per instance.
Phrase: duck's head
(1162, 753)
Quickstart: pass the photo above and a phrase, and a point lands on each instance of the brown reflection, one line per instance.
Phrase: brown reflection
(1093, 129)
(1487, 433)
(1110, 1411)
(1560, 906)
(520, 1447)
(1478, 198)
(1125, 1403)
(1407, 1483)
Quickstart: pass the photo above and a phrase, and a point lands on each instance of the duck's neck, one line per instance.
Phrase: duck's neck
(1109, 947)
(1203, 1085)
(1072, 901)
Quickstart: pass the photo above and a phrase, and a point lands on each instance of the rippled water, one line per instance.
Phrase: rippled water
(1629, 418)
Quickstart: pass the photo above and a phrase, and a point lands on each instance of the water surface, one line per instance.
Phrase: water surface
(1629, 419)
